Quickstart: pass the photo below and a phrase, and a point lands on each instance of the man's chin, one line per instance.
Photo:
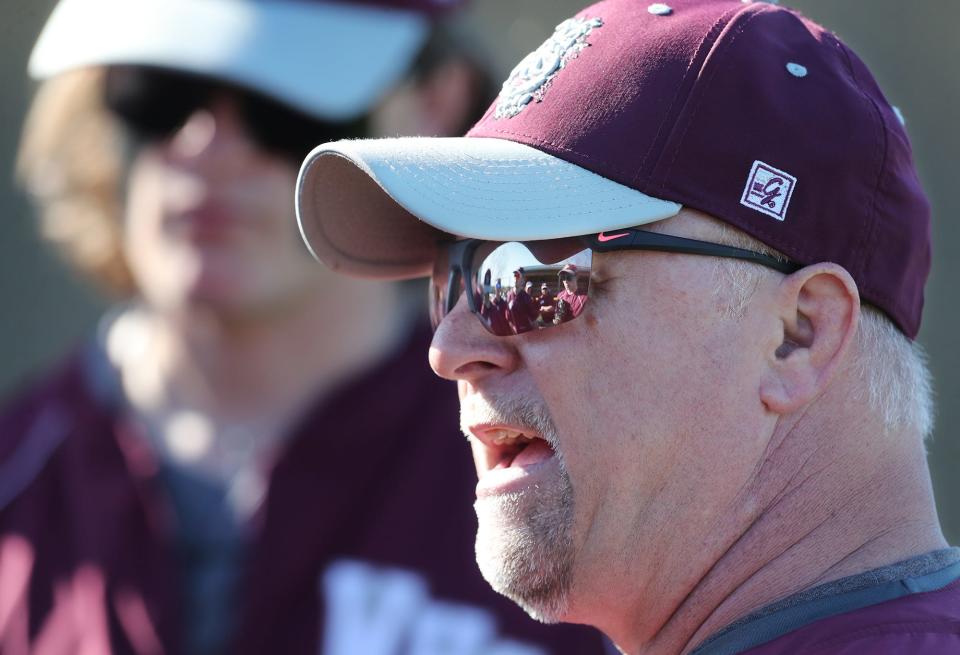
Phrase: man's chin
(525, 551)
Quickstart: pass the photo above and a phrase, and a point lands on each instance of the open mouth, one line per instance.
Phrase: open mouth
(512, 448)
(507, 457)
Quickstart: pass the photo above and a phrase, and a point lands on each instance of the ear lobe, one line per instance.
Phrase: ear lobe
(819, 308)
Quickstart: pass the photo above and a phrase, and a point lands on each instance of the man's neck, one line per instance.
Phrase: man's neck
(773, 561)
(816, 523)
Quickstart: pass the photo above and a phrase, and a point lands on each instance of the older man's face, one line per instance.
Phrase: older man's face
(612, 445)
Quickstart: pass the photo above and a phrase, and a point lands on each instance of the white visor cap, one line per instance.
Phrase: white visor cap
(330, 60)
(380, 207)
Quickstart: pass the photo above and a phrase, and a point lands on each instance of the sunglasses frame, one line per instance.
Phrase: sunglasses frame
(460, 256)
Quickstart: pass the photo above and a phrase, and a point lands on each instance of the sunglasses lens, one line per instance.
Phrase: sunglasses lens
(501, 272)
(287, 132)
(152, 103)
(506, 304)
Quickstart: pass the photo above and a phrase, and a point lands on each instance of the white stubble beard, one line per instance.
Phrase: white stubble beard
(524, 542)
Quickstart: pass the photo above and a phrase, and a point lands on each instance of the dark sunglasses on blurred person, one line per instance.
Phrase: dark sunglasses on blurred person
(153, 103)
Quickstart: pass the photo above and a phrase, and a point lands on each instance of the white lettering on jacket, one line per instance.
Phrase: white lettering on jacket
(385, 611)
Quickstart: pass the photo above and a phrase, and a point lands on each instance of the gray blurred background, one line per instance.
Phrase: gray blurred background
(912, 48)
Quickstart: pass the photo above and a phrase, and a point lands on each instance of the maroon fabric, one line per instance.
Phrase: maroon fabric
(369, 506)
(917, 624)
(523, 312)
(680, 106)
(497, 313)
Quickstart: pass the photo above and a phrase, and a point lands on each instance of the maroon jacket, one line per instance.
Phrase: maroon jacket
(364, 546)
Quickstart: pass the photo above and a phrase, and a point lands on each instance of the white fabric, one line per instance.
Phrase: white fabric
(529, 79)
(332, 60)
(470, 187)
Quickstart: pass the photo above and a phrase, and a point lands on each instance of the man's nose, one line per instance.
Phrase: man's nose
(462, 349)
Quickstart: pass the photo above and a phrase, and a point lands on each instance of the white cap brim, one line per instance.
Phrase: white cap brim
(380, 207)
(331, 60)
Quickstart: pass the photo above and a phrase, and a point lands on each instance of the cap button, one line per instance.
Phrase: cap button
(797, 70)
(660, 9)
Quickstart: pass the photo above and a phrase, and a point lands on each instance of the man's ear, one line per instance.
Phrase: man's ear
(819, 309)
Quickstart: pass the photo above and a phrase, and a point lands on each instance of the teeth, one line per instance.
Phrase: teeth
(502, 437)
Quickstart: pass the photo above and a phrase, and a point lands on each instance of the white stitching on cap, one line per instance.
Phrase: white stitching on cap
(530, 78)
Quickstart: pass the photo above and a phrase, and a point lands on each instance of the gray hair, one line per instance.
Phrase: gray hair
(896, 381)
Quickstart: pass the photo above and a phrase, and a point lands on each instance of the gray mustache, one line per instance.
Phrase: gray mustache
(522, 412)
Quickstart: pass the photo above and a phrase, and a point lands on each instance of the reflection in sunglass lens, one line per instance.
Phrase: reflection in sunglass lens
(507, 305)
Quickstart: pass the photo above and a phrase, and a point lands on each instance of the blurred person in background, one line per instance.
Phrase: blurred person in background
(248, 456)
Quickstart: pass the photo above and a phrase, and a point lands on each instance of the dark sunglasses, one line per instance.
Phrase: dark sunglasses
(483, 269)
(153, 103)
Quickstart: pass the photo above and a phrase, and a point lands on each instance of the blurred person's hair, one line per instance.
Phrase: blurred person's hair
(75, 149)
(71, 162)
(74, 152)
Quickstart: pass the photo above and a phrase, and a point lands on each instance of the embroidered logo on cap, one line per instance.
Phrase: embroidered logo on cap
(768, 190)
(531, 78)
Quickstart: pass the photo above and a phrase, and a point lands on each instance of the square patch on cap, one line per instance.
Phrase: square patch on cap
(768, 190)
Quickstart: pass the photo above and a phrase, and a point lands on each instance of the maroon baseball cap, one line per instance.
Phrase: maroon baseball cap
(744, 110)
